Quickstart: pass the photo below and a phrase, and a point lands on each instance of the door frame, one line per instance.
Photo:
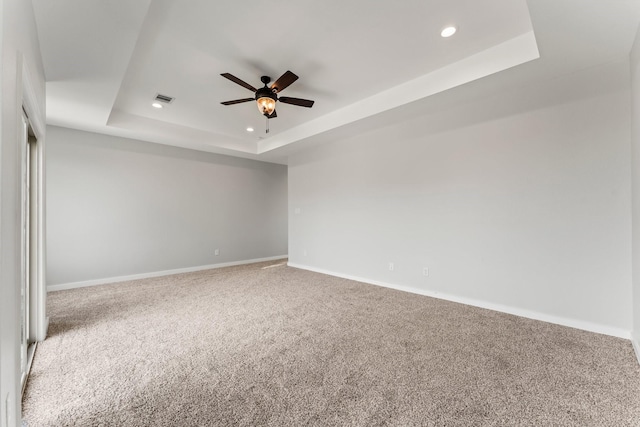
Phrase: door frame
(34, 109)
(25, 247)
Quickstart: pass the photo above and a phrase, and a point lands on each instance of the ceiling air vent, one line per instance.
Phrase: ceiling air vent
(164, 98)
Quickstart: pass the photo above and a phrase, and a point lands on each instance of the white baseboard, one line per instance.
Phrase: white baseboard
(636, 347)
(107, 280)
(573, 323)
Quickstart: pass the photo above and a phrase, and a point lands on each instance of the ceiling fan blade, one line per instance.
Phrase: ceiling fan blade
(296, 101)
(238, 81)
(285, 80)
(237, 101)
(273, 115)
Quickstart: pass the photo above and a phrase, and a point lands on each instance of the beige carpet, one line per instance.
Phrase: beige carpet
(246, 346)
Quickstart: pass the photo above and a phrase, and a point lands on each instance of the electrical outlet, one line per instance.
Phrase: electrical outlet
(216, 252)
(425, 271)
(391, 266)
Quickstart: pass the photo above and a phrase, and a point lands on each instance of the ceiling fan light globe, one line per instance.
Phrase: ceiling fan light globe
(266, 105)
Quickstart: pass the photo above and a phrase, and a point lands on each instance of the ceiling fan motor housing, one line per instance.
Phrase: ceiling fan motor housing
(265, 92)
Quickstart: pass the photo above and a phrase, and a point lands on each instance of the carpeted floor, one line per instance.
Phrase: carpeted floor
(247, 346)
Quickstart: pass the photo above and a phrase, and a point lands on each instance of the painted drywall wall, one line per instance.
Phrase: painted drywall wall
(18, 48)
(520, 200)
(635, 144)
(119, 207)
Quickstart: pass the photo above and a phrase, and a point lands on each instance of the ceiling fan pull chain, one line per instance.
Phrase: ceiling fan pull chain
(267, 131)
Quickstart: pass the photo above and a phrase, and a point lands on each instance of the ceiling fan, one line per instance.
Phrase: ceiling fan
(266, 97)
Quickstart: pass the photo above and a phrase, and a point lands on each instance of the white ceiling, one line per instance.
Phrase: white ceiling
(360, 59)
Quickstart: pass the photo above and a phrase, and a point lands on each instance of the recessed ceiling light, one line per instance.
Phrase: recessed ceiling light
(448, 31)
(156, 105)
(249, 129)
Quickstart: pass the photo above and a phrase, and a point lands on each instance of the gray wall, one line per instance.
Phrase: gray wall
(18, 39)
(119, 207)
(520, 200)
(635, 138)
